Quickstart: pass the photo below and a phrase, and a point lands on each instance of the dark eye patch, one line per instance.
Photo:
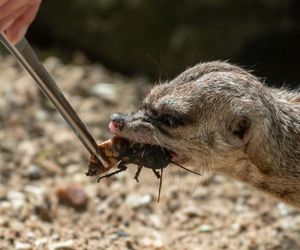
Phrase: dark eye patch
(170, 120)
(160, 119)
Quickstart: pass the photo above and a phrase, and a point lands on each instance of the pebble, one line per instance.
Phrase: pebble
(154, 220)
(34, 172)
(22, 246)
(41, 115)
(193, 211)
(55, 236)
(151, 243)
(4, 221)
(51, 63)
(5, 207)
(74, 168)
(15, 195)
(17, 199)
(44, 211)
(205, 228)
(73, 195)
(35, 191)
(108, 91)
(284, 210)
(135, 201)
(68, 244)
(121, 233)
(41, 242)
(51, 167)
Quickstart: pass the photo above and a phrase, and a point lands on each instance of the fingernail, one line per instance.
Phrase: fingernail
(19, 35)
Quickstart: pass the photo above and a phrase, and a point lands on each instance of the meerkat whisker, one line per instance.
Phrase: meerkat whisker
(159, 143)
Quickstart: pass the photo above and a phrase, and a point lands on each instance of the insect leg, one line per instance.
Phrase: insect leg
(137, 174)
(156, 173)
(121, 167)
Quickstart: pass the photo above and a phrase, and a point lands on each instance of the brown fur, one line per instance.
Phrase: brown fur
(220, 117)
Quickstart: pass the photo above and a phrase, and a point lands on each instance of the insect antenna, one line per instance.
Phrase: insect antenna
(189, 170)
(160, 183)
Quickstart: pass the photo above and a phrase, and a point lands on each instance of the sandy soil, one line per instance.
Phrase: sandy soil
(39, 155)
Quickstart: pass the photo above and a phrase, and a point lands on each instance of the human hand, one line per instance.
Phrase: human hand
(16, 16)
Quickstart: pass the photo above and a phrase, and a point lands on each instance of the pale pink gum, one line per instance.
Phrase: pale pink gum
(113, 127)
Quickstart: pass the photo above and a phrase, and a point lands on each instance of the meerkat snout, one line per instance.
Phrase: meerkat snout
(117, 121)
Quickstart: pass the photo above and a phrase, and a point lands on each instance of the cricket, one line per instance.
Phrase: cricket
(120, 152)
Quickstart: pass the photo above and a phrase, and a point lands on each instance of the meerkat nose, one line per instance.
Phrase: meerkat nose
(117, 122)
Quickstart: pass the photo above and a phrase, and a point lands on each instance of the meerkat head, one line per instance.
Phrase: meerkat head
(206, 115)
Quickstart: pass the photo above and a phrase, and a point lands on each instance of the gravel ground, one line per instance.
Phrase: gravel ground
(47, 202)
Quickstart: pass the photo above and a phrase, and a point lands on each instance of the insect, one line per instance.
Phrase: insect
(119, 152)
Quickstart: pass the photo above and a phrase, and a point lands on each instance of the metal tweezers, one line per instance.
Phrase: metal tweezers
(25, 55)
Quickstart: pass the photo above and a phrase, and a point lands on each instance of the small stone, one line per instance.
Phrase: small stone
(4, 221)
(152, 243)
(51, 63)
(55, 236)
(287, 223)
(108, 91)
(192, 211)
(34, 172)
(51, 167)
(15, 195)
(154, 220)
(135, 201)
(41, 115)
(41, 242)
(74, 168)
(30, 235)
(34, 191)
(22, 246)
(73, 195)
(284, 210)
(5, 207)
(44, 210)
(205, 228)
(122, 233)
(17, 199)
(68, 244)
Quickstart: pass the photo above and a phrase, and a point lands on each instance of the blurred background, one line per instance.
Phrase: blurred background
(158, 39)
(105, 55)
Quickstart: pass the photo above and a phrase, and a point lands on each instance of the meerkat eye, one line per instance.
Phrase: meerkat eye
(170, 121)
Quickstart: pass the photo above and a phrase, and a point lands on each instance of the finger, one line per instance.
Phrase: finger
(2, 2)
(11, 6)
(5, 23)
(19, 28)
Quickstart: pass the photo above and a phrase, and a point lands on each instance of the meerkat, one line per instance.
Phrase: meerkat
(218, 116)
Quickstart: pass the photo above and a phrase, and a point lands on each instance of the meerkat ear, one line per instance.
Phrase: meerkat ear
(238, 131)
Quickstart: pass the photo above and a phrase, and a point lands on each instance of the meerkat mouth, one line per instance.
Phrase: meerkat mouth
(179, 158)
(176, 156)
